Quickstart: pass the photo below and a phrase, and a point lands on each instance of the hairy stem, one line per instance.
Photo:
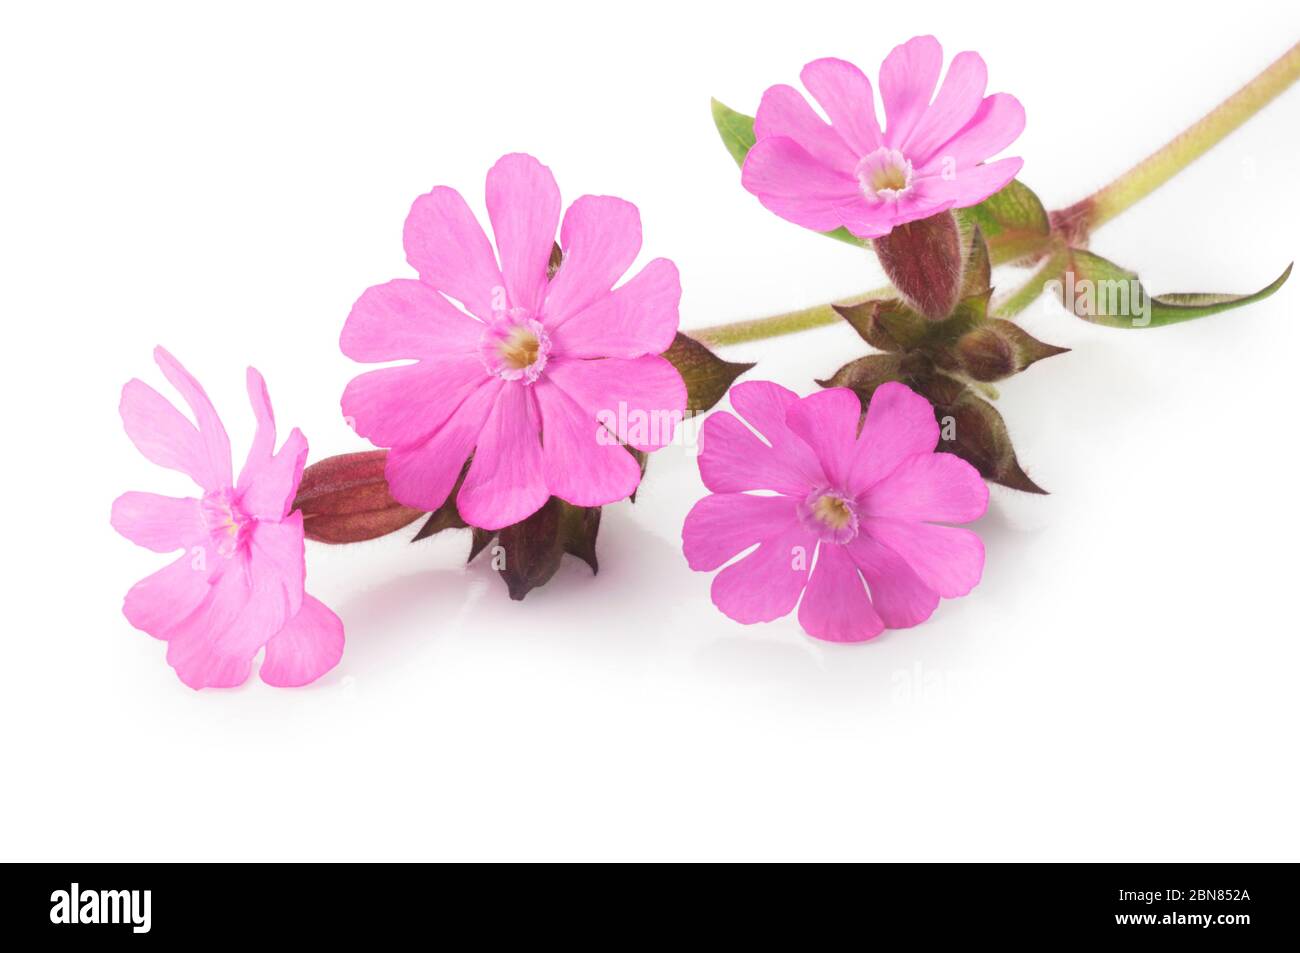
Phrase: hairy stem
(738, 332)
(1184, 149)
(1029, 292)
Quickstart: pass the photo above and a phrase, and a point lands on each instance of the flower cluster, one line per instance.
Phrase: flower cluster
(525, 380)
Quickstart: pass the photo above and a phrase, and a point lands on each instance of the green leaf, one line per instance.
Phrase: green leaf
(1102, 292)
(1012, 220)
(737, 132)
(706, 375)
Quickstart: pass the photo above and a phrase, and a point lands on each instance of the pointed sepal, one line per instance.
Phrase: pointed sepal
(887, 324)
(531, 551)
(707, 376)
(997, 349)
(865, 374)
(972, 428)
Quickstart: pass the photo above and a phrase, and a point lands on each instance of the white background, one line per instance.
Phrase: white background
(225, 180)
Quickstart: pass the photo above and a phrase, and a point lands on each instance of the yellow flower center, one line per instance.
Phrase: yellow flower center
(519, 348)
(890, 177)
(833, 511)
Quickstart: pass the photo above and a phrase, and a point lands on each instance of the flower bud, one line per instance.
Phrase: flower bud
(997, 349)
(345, 499)
(530, 551)
(924, 260)
(972, 428)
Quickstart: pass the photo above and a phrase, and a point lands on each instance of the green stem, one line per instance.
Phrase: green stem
(738, 332)
(1030, 291)
(1078, 220)
(1184, 149)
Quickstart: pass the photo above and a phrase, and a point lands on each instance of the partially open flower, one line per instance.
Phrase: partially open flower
(930, 157)
(543, 376)
(238, 585)
(839, 507)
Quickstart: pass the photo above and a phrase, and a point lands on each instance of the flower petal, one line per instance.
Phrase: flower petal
(766, 584)
(835, 606)
(191, 648)
(422, 475)
(784, 112)
(273, 575)
(722, 525)
(899, 596)
(216, 445)
(844, 93)
(868, 219)
(938, 487)
(640, 317)
(159, 602)
(505, 483)
(523, 202)
(309, 645)
(162, 434)
(907, 80)
(403, 406)
(278, 555)
(996, 124)
(601, 237)
(926, 198)
(404, 319)
(828, 422)
(446, 245)
(269, 481)
(899, 423)
(198, 665)
(794, 185)
(948, 559)
(161, 523)
(584, 464)
(733, 459)
(642, 400)
(965, 187)
(959, 97)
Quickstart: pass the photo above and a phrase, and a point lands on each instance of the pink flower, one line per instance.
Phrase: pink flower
(865, 504)
(238, 585)
(929, 158)
(540, 380)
